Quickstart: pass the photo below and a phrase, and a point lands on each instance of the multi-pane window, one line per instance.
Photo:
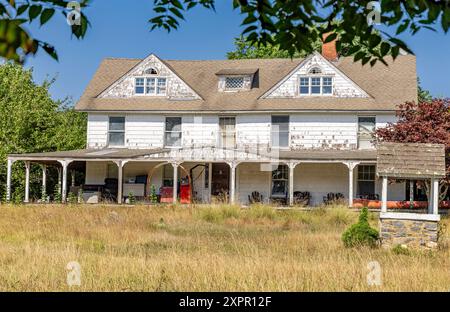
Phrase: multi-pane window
(116, 131)
(304, 85)
(280, 178)
(366, 127)
(316, 85)
(151, 86)
(173, 132)
(280, 131)
(227, 135)
(366, 180)
(327, 85)
(234, 83)
(139, 85)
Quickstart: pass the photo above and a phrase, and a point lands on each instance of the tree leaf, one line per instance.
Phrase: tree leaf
(34, 11)
(46, 15)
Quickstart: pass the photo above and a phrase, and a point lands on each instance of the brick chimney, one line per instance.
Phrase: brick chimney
(329, 49)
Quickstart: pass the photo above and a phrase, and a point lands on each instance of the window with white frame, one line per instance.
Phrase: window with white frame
(116, 131)
(312, 85)
(366, 180)
(280, 178)
(234, 83)
(227, 129)
(280, 131)
(152, 86)
(366, 127)
(173, 132)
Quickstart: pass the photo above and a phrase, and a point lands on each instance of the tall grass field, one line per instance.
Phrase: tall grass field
(202, 248)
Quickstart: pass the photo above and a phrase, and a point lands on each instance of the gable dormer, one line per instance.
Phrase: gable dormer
(236, 79)
(151, 78)
(316, 77)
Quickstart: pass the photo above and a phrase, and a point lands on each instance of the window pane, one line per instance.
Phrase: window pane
(139, 86)
(161, 86)
(234, 82)
(315, 85)
(279, 188)
(304, 85)
(173, 139)
(173, 124)
(117, 138)
(327, 85)
(227, 136)
(280, 123)
(150, 89)
(117, 123)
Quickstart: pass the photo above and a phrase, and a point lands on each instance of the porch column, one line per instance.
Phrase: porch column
(8, 180)
(210, 181)
(65, 165)
(384, 195)
(233, 166)
(120, 164)
(27, 182)
(411, 194)
(351, 168)
(292, 166)
(435, 183)
(430, 197)
(44, 180)
(175, 182)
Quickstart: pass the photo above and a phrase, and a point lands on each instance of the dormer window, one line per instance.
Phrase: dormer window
(315, 84)
(151, 86)
(234, 83)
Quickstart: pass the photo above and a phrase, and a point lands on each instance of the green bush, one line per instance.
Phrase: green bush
(131, 198)
(153, 197)
(57, 197)
(72, 198)
(361, 233)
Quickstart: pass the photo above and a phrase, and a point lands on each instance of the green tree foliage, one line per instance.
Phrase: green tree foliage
(361, 233)
(33, 122)
(296, 25)
(16, 42)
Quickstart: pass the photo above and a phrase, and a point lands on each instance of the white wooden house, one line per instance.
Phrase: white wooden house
(275, 126)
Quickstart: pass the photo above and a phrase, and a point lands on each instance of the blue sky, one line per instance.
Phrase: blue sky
(122, 30)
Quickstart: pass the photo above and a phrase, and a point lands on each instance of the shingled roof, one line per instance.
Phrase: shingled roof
(411, 160)
(388, 86)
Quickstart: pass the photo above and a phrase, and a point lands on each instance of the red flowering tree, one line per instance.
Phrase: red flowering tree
(425, 122)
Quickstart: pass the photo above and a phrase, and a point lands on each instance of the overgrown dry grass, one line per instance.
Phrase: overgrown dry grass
(200, 249)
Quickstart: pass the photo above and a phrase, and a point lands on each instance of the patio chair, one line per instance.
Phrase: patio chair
(255, 198)
(302, 198)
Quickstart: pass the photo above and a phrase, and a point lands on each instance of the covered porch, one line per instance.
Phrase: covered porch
(285, 177)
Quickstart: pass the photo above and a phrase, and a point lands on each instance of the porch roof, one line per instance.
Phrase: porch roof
(106, 153)
(165, 153)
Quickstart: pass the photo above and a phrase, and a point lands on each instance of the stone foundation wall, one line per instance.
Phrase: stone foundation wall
(409, 232)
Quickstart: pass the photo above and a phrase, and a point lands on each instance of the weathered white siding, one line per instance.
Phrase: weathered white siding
(253, 129)
(144, 131)
(97, 130)
(250, 178)
(200, 130)
(331, 131)
(321, 179)
(307, 130)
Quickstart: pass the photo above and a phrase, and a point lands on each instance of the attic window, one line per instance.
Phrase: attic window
(151, 71)
(315, 71)
(234, 83)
